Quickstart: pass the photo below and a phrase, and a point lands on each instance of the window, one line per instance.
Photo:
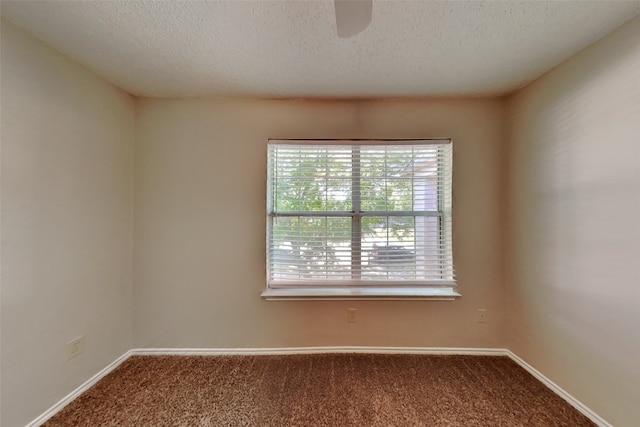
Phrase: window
(359, 219)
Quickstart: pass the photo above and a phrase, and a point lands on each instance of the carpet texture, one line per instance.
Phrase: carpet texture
(319, 390)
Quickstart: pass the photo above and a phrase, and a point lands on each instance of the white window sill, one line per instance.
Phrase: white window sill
(360, 293)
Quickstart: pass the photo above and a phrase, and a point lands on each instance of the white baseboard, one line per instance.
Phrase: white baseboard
(317, 350)
(77, 392)
(321, 350)
(582, 408)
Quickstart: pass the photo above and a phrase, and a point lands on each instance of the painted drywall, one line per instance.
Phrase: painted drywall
(574, 226)
(199, 257)
(67, 208)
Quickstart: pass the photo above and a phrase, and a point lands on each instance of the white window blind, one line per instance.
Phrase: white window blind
(359, 214)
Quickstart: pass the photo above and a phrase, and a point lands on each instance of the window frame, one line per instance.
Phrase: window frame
(356, 288)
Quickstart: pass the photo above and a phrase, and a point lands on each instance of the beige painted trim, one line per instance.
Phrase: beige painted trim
(583, 409)
(44, 417)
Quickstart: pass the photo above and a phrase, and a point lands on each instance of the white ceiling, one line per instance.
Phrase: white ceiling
(290, 48)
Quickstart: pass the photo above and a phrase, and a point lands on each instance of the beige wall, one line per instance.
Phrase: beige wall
(574, 282)
(200, 183)
(67, 158)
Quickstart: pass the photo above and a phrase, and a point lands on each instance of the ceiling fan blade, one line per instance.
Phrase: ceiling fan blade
(352, 16)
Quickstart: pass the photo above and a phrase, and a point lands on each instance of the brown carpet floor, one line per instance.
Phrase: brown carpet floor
(319, 390)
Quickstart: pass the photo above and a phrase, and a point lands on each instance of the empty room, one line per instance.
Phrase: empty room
(320, 213)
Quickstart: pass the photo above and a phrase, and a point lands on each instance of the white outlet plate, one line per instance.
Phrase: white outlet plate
(481, 315)
(75, 347)
(351, 315)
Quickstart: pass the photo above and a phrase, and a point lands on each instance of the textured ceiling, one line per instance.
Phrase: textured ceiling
(290, 48)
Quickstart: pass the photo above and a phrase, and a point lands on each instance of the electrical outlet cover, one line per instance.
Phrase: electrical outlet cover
(75, 347)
